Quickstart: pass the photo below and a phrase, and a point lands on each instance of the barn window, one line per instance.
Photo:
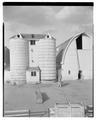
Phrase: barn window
(79, 42)
(33, 73)
(32, 42)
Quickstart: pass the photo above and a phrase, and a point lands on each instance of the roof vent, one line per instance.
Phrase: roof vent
(19, 36)
(48, 36)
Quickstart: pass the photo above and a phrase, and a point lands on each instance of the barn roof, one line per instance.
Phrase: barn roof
(31, 36)
(62, 48)
(33, 68)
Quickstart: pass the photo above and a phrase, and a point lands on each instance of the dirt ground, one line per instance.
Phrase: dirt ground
(24, 97)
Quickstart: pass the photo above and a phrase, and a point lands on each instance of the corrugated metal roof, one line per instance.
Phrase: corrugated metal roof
(60, 52)
(33, 68)
(31, 36)
(63, 45)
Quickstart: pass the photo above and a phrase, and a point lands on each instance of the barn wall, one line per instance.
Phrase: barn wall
(85, 57)
(87, 42)
(70, 63)
(78, 59)
(32, 79)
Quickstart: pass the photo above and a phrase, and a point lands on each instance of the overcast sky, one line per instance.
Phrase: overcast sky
(61, 22)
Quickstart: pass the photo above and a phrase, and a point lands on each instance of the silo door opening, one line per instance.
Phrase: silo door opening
(79, 75)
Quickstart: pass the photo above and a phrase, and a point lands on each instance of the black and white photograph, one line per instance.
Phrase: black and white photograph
(48, 59)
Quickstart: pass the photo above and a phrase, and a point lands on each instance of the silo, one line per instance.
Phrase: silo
(18, 59)
(47, 58)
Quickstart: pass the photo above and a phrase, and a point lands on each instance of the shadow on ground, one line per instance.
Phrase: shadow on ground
(45, 97)
(64, 84)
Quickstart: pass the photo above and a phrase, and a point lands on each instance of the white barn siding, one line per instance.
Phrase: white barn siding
(85, 57)
(70, 62)
(87, 42)
(85, 60)
(77, 59)
(32, 79)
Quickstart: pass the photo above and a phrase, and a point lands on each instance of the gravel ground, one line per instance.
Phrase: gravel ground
(24, 97)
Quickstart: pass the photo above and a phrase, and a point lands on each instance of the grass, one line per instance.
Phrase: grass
(24, 97)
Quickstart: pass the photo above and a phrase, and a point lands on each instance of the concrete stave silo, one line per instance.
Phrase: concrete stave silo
(32, 58)
(18, 59)
(47, 59)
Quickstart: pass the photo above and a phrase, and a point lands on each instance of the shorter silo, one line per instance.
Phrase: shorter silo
(18, 59)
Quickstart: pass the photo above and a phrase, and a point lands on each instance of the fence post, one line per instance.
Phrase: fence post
(48, 113)
(29, 112)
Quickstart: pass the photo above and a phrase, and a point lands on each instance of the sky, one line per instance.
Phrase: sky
(62, 22)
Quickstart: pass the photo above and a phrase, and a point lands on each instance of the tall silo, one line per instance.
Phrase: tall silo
(18, 59)
(47, 58)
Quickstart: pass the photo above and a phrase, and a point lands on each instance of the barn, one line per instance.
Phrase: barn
(32, 58)
(74, 57)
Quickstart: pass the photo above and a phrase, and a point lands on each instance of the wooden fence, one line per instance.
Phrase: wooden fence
(26, 113)
(57, 111)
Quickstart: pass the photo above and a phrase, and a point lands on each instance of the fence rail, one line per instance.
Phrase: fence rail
(25, 113)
